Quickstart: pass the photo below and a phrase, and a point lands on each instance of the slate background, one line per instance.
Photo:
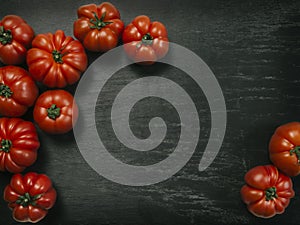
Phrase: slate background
(253, 48)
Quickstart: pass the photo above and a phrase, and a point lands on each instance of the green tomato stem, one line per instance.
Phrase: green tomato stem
(296, 151)
(53, 112)
(271, 193)
(97, 22)
(5, 145)
(5, 91)
(5, 36)
(57, 56)
(26, 199)
(147, 39)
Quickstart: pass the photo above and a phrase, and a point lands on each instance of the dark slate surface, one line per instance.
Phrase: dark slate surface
(253, 49)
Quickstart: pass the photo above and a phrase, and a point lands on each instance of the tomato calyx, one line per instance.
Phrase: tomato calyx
(147, 39)
(271, 193)
(57, 56)
(5, 36)
(5, 145)
(97, 22)
(26, 199)
(5, 91)
(296, 151)
(53, 112)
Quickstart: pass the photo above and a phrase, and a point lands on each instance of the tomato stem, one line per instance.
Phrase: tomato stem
(5, 91)
(57, 56)
(26, 199)
(5, 36)
(296, 151)
(5, 145)
(271, 193)
(53, 112)
(97, 22)
(147, 39)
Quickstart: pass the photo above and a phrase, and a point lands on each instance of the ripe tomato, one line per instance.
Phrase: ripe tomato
(267, 191)
(145, 41)
(98, 27)
(30, 196)
(55, 111)
(284, 148)
(18, 144)
(15, 39)
(18, 91)
(56, 60)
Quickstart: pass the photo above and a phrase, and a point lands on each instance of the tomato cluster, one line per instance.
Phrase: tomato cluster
(99, 28)
(269, 188)
(55, 61)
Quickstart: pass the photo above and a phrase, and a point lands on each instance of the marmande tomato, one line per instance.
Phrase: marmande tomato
(55, 111)
(98, 27)
(145, 41)
(15, 39)
(18, 144)
(56, 60)
(267, 191)
(18, 91)
(284, 148)
(30, 196)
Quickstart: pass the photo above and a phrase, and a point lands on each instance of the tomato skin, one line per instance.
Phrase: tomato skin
(283, 148)
(18, 91)
(18, 144)
(56, 60)
(68, 111)
(98, 27)
(13, 50)
(39, 192)
(144, 41)
(267, 191)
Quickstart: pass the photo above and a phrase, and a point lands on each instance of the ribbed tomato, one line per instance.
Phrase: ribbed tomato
(98, 27)
(18, 144)
(15, 39)
(55, 111)
(56, 60)
(145, 41)
(18, 91)
(284, 148)
(267, 191)
(30, 196)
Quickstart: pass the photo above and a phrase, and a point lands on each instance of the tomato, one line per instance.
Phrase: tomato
(15, 39)
(267, 191)
(55, 111)
(56, 60)
(30, 196)
(145, 41)
(98, 27)
(18, 144)
(284, 148)
(18, 91)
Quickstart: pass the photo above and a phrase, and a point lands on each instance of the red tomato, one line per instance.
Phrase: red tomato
(145, 41)
(98, 27)
(284, 148)
(18, 91)
(18, 144)
(56, 60)
(30, 196)
(267, 192)
(15, 39)
(55, 111)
